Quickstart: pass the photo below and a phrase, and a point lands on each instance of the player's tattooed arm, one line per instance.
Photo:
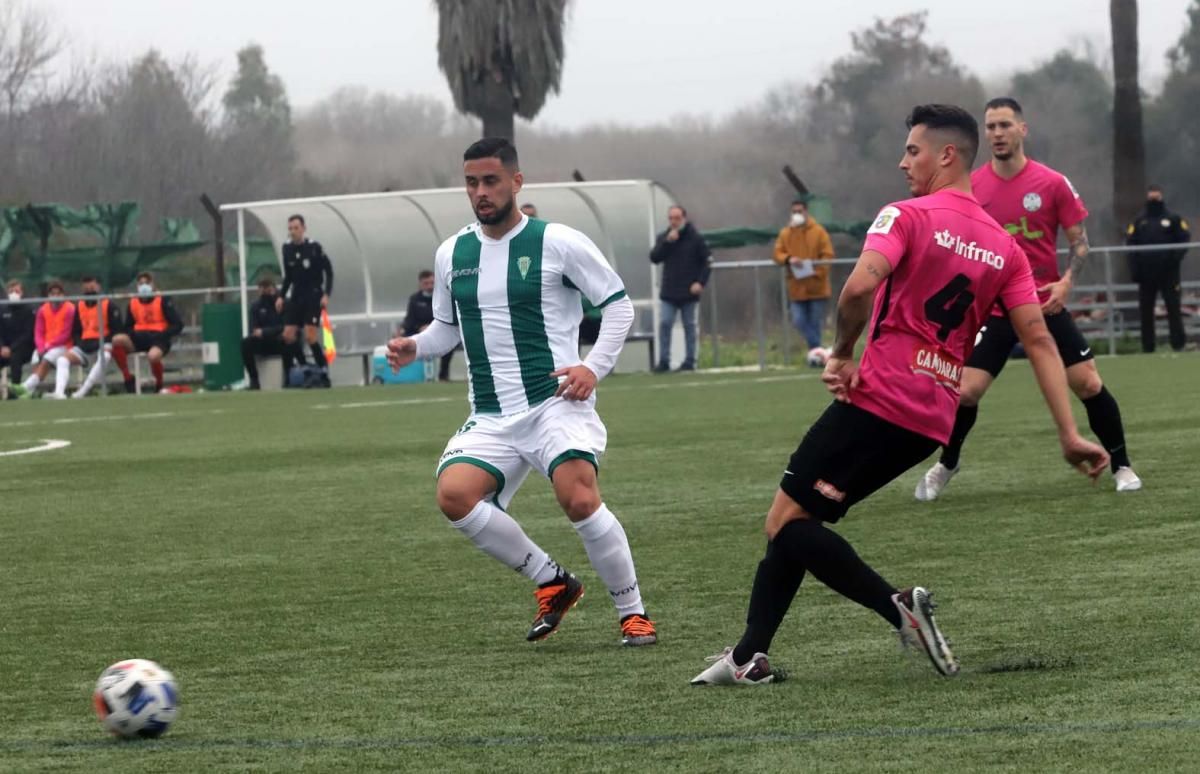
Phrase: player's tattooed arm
(854, 304)
(1077, 238)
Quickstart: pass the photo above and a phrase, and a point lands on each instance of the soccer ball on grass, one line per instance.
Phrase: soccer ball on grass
(136, 698)
(817, 356)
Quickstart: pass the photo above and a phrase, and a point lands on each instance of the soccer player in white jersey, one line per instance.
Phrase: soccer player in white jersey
(509, 286)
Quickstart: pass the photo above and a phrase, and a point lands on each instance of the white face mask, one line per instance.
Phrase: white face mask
(14, 296)
(799, 219)
(145, 290)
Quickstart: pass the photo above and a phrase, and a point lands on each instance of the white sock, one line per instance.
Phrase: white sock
(32, 382)
(94, 375)
(499, 536)
(62, 375)
(608, 550)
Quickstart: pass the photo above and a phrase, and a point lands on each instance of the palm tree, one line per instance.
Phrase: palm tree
(501, 57)
(1129, 151)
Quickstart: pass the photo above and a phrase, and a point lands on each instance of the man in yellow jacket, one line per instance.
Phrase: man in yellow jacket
(804, 248)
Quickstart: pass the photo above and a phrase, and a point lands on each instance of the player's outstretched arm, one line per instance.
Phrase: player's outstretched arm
(1030, 325)
(853, 314)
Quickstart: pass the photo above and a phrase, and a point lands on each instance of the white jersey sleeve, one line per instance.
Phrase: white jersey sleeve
(443, 302)
(584, 266)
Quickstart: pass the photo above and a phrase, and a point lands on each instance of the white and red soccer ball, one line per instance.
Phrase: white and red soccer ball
(818, 356)
(136, 698)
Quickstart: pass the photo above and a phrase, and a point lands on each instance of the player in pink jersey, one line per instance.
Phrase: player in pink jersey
(932, 267)
(1032, 202)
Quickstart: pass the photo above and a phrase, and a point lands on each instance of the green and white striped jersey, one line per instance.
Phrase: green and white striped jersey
(516, 302)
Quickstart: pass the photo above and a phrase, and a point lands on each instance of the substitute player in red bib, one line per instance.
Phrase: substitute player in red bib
(152, 322)
(932, 267)
(1032, 201)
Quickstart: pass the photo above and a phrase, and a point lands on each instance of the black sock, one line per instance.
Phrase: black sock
(1104, 417)
(831, 560)
(775, 585)
(964, 420)
(318, 354)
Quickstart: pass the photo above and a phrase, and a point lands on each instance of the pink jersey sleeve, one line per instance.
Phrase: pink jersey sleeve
(1068, 205)
(1019, 287)
(889, 233)
(39, 329)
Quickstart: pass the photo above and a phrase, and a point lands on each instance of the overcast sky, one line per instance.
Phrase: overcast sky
(627, 61)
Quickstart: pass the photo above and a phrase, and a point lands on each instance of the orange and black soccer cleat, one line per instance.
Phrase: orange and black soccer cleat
(554, 600)
(637, 630)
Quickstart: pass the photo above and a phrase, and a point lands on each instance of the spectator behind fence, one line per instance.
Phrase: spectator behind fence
(685, 258)
(529, 209)
(52, 335)
(151, 322)
(803, 246)
(92, 315)
(420, 314)
(266, 335)
(16, 333)
(1157, 271)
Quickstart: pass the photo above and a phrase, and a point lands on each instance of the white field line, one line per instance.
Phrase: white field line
(47, 444)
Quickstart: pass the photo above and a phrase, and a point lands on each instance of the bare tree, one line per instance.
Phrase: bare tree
(1129, 150)
(501, 57)
(27, 47)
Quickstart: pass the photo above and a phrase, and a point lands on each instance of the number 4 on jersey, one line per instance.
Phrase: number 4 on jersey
(948, 307)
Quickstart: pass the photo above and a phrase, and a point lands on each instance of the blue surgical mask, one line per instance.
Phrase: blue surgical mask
(145, 289)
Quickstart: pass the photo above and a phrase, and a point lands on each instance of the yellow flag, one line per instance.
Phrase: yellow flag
(327, 342)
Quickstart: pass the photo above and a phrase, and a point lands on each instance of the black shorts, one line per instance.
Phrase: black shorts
(144, 341)
(302, 309)
(848, 454)
(996, 339)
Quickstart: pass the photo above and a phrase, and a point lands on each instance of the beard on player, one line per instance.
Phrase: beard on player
(489, 213)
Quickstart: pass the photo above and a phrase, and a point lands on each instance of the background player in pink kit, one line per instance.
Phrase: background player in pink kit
(1032, 201)
(932, 267)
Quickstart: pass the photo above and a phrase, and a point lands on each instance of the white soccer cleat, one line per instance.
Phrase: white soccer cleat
(1127, 480)
(724, 672)
(918, 630)
(933, 482)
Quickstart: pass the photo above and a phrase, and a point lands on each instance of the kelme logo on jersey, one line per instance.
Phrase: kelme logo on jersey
(464, 272)
(969, 250)
(523, 264)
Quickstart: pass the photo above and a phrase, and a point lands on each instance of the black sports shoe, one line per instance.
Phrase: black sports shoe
(554, 600)
(130, 385)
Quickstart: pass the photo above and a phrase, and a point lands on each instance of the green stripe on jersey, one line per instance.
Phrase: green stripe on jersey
(525, 310)
(464, 288)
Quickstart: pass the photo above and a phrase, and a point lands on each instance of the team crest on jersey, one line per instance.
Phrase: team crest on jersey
(885, 220)
(1032, 202)
(523, 264)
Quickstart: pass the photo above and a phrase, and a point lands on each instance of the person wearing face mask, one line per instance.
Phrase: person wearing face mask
(151, 322)
(266, 334)
(16, 333)
(1157, 271)
(804, 247)
(87, 329)
(419, 315)
(52, 335)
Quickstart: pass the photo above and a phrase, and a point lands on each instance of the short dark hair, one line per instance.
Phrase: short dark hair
(297, 217)
(493, 147)
(1154, 188)
(88, 278)
(801, 202)
(145, 274)
(425, 273)
(680, 207)
(266, 282)
(52, 284)
(951, 118)
(1004, 102)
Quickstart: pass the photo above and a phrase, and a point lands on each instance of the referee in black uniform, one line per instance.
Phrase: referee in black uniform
(308, 274)
(1157, 271)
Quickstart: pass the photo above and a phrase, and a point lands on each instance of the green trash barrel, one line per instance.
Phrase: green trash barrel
(221, 332)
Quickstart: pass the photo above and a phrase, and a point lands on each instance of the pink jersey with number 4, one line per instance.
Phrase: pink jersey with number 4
(1032, 205)
(950, 264)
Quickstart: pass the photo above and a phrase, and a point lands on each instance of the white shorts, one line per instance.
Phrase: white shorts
(541, 438)
(54, 353)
